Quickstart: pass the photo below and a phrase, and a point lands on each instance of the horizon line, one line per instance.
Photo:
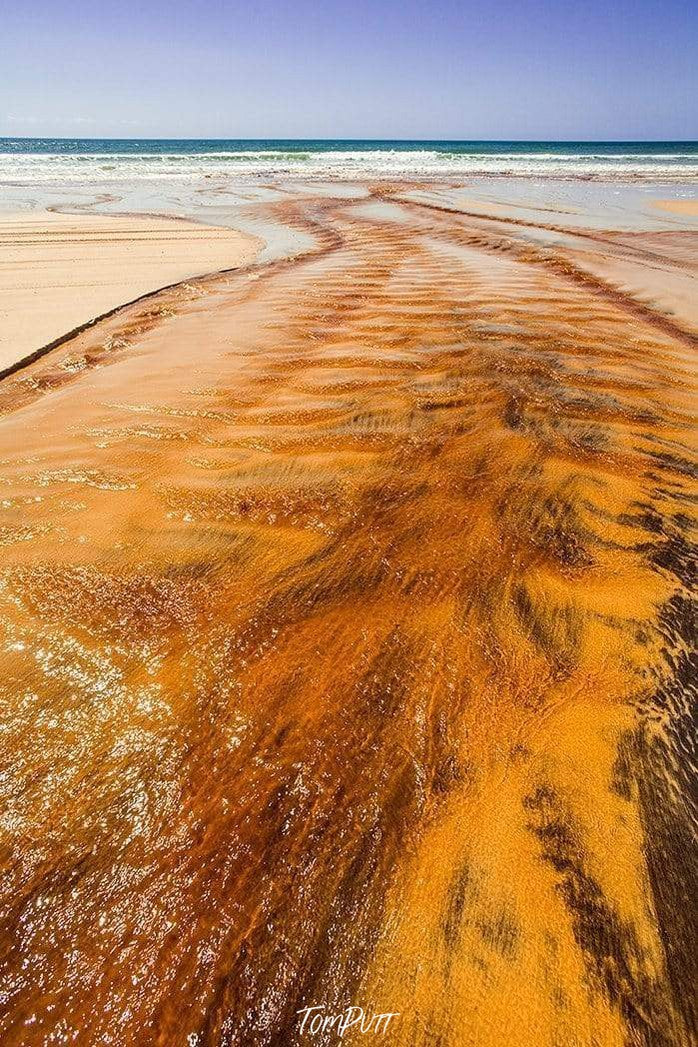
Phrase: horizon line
(286, 138)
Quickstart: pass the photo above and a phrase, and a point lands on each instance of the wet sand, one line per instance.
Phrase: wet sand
(346, 610)
(683, 207)
(59, 271)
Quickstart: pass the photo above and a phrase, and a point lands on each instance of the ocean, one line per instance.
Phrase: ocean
(45, 160)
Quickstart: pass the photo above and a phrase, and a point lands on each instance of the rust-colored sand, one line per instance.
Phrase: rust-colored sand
(346, 651)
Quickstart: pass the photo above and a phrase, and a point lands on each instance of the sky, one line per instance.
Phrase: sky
(457, 69)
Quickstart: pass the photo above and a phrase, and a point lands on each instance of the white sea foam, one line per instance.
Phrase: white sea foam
(42, 168)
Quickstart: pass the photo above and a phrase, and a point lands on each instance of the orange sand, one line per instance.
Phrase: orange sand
(689, 207)
(344, 650)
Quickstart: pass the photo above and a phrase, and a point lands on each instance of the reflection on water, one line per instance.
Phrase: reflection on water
(345, 651)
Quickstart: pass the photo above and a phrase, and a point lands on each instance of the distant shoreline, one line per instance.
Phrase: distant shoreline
(31, 160)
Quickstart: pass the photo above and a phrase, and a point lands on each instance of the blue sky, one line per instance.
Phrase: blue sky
(350, 68)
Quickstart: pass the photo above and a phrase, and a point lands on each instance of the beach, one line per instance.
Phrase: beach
(346, 613)
(61, 271)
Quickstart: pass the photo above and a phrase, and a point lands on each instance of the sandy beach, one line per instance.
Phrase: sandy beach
(683, 207)
(59, 271)
(346, 627)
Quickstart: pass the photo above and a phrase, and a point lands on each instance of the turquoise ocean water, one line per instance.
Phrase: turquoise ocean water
(63, 159)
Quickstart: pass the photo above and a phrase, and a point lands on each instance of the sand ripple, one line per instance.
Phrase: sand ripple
(360, 671)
